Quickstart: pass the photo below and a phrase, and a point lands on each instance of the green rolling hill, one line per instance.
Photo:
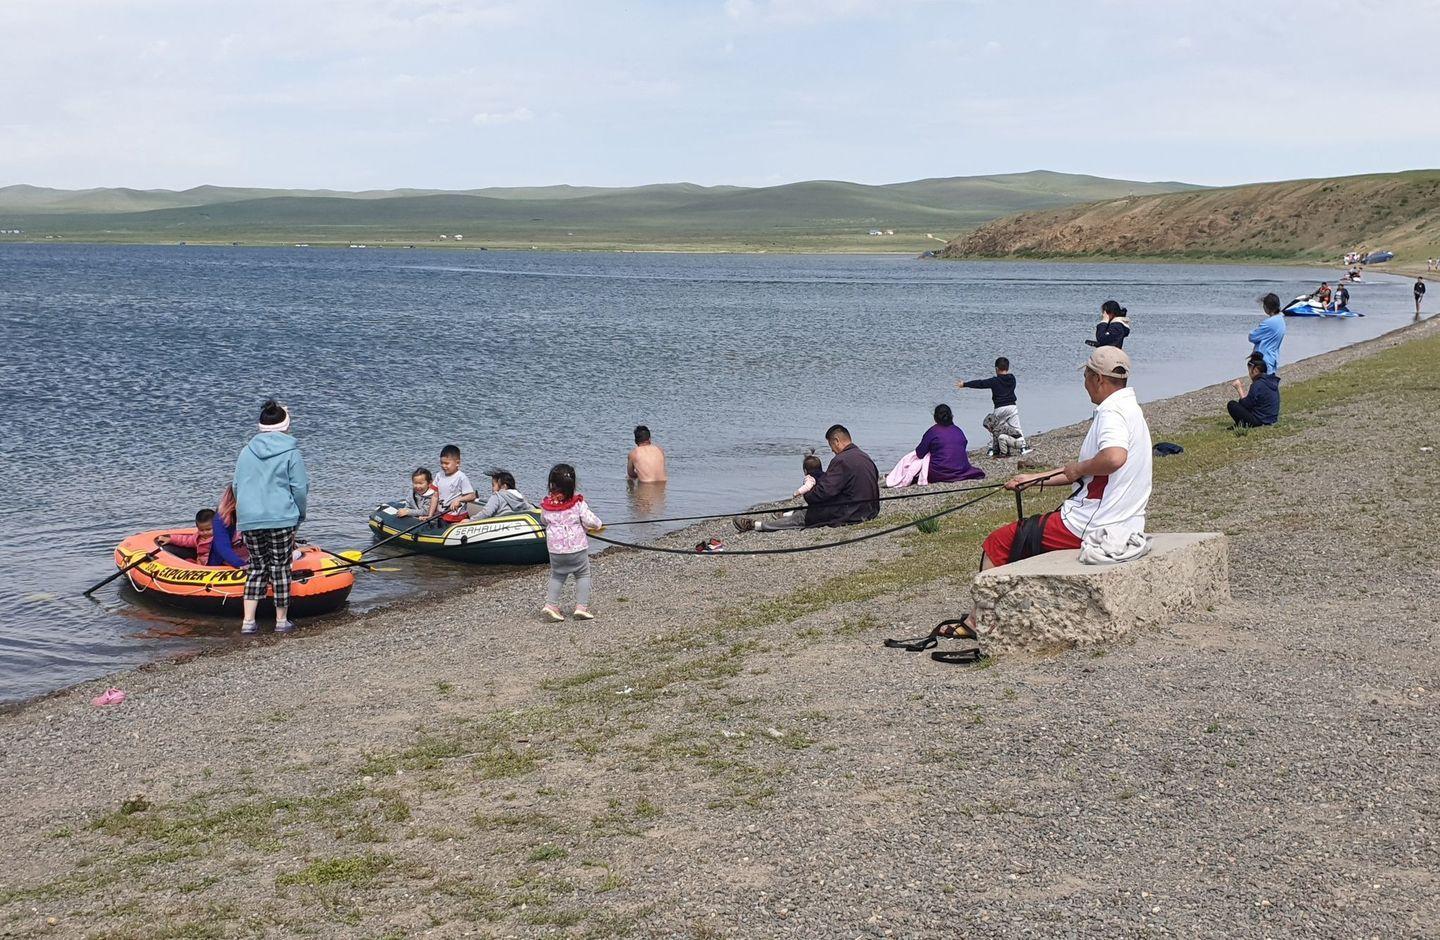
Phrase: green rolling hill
(813, 215)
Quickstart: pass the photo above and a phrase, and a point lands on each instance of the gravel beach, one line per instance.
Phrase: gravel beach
(729, 752)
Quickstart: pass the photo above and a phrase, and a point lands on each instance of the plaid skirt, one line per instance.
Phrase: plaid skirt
(269, 562)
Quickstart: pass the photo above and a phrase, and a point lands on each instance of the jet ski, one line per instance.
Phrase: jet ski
(1305, 306)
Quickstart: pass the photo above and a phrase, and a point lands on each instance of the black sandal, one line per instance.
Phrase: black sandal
(944, 630)
(959, 657)
(956, 629)
(917, 644)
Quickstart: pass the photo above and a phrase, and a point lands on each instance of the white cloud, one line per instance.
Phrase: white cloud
(808, 12)
(513, 116)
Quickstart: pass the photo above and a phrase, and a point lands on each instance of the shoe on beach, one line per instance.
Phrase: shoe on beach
(744, 524)
(583, 613)
(111, 696)
(285, 626)
(551, 612)
(249, 626)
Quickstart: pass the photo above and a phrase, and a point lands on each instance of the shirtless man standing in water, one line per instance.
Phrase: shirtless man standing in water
(646, 463)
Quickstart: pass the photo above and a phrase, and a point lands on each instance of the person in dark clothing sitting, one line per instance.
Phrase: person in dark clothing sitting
(848, 493)
(1261, 405)
(1113, 327)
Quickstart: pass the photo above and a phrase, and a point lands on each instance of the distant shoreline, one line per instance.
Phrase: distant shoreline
(718, 248)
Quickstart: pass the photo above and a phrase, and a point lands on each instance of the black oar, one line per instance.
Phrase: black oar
(126, 570)
(390, 538)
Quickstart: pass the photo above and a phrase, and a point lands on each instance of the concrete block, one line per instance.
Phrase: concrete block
(1052, 601)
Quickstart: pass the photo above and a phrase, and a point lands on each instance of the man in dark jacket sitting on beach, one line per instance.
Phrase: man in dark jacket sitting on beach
(848, 493)
(1261, 406)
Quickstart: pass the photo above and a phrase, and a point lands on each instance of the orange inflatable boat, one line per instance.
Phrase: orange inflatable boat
(319, 584)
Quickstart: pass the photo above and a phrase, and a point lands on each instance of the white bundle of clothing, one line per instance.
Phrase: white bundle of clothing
(1112, 546)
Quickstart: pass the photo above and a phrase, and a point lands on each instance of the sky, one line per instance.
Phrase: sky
(460, 94)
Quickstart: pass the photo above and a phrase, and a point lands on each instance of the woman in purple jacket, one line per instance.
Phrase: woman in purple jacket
(941, 457)
(948, 450)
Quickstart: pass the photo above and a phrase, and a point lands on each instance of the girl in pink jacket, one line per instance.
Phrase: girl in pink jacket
(567, 518)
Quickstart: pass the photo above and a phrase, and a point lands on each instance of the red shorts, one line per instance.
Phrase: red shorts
(1055, 538)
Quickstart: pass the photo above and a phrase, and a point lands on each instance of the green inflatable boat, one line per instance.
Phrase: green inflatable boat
(501, 540)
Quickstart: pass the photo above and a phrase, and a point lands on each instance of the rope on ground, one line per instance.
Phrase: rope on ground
(795, 549)
(853, 502)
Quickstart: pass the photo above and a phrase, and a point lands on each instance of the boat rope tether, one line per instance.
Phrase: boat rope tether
(795, 549)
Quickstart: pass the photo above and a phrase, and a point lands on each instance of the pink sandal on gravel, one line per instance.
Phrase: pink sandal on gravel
(111, 696)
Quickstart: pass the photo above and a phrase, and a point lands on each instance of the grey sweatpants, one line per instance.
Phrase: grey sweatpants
(562, 567)
(794, 519)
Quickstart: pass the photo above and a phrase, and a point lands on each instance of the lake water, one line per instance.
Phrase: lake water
(132, 377)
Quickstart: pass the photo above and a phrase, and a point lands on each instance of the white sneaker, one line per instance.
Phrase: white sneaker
(249, 626)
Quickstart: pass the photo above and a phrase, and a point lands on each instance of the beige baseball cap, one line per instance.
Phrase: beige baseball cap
(1108, 360)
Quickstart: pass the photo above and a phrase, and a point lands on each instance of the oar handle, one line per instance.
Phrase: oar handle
(126, 570)
(348, 561)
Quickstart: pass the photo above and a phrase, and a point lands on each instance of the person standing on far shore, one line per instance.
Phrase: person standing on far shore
(1419, 295)
(1268, 336)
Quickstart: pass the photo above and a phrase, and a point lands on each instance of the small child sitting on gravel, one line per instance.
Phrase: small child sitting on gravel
(567, 519)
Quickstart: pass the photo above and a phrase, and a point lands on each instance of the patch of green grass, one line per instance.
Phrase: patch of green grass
(493, 822)
(349, 871)
(504, 761)
(547, 852)
(578, 679)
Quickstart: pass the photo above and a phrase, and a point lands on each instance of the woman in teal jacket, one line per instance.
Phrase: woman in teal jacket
(271, 488)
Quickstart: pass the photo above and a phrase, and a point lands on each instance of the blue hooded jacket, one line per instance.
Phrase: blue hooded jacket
(271, 483)
(1267, 338)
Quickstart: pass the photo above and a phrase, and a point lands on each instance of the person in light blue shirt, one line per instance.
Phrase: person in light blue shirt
(272, 488)
(1268, 336)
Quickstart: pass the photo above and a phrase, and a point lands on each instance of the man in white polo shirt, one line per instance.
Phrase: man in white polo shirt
(1112, 477)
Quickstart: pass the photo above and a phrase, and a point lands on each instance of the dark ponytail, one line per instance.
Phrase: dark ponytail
(944, 416)
(1112, 309)
(562, 480)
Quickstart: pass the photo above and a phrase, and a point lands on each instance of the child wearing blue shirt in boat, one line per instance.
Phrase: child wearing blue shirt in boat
(423, 500)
